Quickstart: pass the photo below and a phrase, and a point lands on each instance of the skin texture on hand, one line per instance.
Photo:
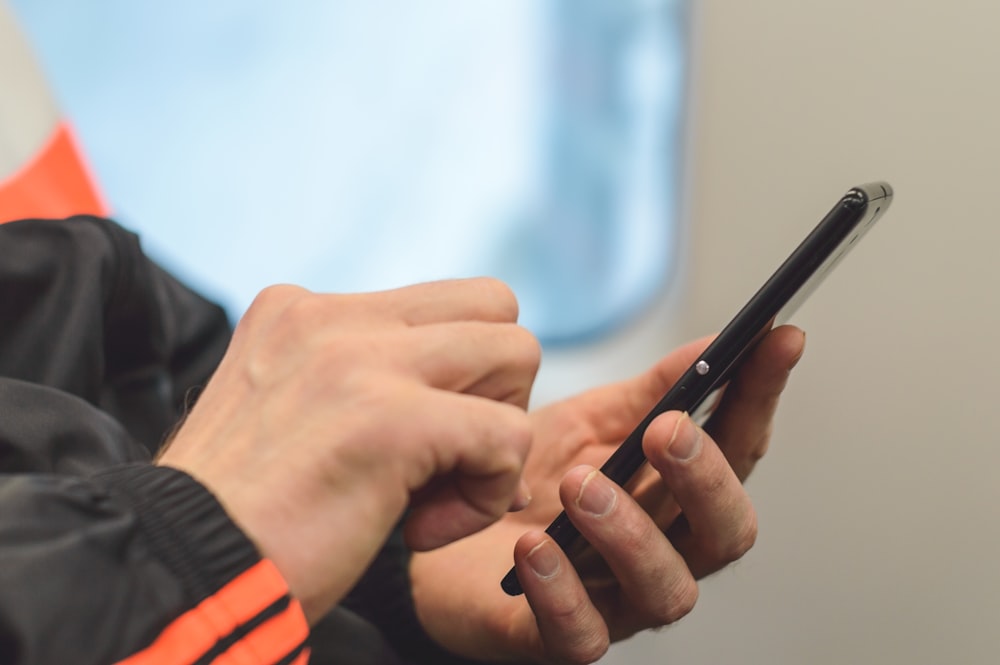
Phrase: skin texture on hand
(330, 414)
(685, 516)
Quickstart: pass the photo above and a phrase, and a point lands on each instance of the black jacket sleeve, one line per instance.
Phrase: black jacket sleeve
(128, 564)
(84, 311)
(105, 557)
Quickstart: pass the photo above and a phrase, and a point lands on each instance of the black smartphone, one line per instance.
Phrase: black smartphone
(793, 282)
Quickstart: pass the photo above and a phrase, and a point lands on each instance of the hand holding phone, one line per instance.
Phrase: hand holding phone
(773, 304)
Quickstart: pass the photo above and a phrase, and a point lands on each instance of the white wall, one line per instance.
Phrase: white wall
(880, 536)
(27, 111)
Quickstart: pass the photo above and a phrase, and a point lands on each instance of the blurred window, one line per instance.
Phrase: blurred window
(366, 144)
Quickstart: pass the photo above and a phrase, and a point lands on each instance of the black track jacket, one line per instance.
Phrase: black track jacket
(104, 557)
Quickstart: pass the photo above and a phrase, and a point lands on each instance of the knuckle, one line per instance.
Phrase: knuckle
(277, 296)
(269, 303)
(499, 295)
(517, 438)
(685, 601)
(302, 312)
(736, 543)
(745, 465)
(677, 602)
(588, 650)
(758, 451)
(521, 433)
(293, 313)
(745, 537)
(529, 349)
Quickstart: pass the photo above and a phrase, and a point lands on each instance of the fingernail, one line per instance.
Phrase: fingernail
(597, 495)
(521, 499)
(543, 560)
(686, 440)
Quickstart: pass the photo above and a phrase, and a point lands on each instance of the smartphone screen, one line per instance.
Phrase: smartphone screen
(773, 304)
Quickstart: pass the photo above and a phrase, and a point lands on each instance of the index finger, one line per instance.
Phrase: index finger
(719, 524)
(473, 299)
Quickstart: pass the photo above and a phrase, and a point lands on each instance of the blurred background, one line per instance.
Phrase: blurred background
(635, 170)
(363, 145)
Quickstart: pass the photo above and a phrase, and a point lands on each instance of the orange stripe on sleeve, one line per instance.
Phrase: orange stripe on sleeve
(55, 183)
(196, 631)
(270, 642)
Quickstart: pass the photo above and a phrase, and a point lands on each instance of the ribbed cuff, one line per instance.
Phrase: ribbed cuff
(185, 524)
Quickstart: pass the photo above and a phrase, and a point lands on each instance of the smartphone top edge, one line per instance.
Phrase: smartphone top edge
(872, 191)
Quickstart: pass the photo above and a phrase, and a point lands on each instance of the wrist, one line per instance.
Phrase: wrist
(320, 540)
(230, 591)
(186, 525)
